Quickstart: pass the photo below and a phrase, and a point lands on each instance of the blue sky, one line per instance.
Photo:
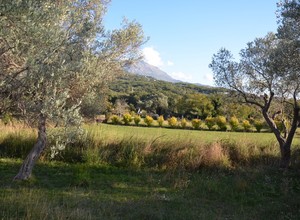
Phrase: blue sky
(185, 34)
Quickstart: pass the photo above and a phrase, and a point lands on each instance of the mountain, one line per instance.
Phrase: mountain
(145, 69)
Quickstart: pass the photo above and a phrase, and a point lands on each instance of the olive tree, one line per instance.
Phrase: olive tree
(53, 53)
(266, 76)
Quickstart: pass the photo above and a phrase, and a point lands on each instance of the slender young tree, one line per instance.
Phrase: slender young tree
(53, 53)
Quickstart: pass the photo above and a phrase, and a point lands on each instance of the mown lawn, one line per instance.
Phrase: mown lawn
(152, 173)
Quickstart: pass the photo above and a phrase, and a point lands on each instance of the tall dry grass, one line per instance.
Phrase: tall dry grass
(149, 148)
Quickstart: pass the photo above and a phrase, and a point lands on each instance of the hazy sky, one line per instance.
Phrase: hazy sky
(184, 34)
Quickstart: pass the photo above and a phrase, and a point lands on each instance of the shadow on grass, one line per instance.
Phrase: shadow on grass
(80, 191)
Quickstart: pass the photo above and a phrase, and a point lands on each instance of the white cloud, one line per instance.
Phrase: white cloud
(152, 56)
(170, 63)
(181, 76)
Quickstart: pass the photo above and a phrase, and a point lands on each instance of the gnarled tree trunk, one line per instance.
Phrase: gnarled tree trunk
(285, 142)
(28, 164)
(285, 151)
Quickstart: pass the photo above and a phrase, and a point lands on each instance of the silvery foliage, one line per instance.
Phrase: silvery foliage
(53, 53)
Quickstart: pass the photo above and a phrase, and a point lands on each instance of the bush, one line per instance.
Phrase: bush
(115, 119)
(172, 122)
(137, 120)
(210, 122)
(246, 125)
(127, 118)
(222, 123)
(160, 120)
(183, 123)
(196, 123)
(234, 123)
(148, 120)
(258, 124)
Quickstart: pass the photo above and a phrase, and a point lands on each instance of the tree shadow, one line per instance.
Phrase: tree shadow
(119, 193)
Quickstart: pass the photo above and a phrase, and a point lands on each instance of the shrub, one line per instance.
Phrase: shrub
(196, 123)
(160, 120)
(183, 123)
(246, 125)
(137, 120)
(127, 118)
(210, 122)
(222, 123)
(115, 119)
(172, 122)
(234, 123)
(148, 120)
(258, 124)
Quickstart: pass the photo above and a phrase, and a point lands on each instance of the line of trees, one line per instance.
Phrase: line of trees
(218, 123)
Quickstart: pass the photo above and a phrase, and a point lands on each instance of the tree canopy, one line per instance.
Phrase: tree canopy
(267, 75)
(53, 53)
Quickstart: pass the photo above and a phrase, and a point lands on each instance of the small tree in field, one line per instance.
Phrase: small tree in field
(115, 119)
(258, 124)
(183, 123)
(196, 123)
(127, 118)
(148, 120)
(54, 53)
(172, 122)
(234, 123)
(246, 125)
(221, 122)
(160, 120)
(268, 73)
(137, 120)
(210, 122)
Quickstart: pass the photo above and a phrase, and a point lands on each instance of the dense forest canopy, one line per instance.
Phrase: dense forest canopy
(173, 99)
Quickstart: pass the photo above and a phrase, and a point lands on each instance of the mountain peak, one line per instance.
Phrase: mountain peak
(145, 69)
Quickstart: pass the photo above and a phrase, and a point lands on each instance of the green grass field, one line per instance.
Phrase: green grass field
(151, 173)
(105, 131)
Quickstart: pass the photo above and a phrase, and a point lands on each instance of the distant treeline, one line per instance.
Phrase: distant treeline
(140, 94)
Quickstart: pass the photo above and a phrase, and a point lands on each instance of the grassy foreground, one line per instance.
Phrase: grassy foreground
(151, 173)
(77, 191)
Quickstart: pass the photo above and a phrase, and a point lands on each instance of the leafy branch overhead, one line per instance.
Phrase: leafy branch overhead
(53, 53)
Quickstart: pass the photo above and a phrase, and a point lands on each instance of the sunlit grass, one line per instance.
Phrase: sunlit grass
(107, 132)
(163, 148)
(127, 172)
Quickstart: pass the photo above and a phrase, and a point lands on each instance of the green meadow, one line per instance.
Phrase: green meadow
(126, 172)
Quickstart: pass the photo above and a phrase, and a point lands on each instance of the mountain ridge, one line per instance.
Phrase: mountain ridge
(145, 69)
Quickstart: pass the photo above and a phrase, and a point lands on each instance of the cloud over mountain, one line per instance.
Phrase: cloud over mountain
(152, 57)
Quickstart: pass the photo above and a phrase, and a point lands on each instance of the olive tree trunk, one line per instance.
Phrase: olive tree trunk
(285, 152)
(28, 164)
(285, 142)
